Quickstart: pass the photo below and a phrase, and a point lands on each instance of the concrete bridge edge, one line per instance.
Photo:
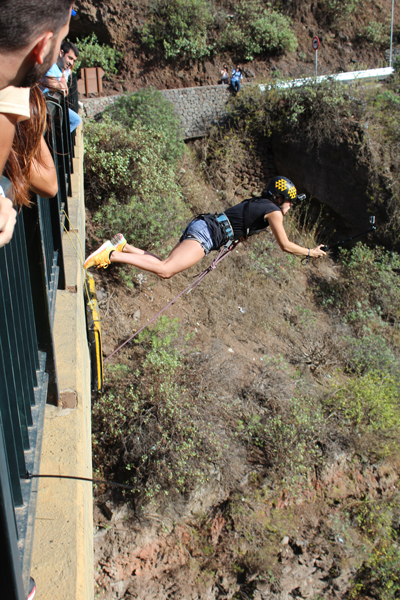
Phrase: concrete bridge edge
(62, 561)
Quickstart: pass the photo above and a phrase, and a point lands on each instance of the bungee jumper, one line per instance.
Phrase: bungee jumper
(208, 232)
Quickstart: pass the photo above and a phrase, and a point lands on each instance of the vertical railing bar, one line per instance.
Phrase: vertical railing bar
(14, 447)
(60, 152)
(42, 241)
(22, 334)
(56, 217)
(14, 430)
(37, 272)
(10, 569)
(14, 340)
(45, 239)
(28, 296)
(52, 144)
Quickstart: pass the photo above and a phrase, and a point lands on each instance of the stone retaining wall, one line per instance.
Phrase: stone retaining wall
(198, 107)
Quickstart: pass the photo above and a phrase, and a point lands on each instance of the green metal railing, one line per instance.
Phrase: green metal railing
(31, 271)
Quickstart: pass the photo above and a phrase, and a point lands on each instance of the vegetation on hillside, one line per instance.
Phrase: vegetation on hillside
(168, 427)
(194, 29)
(183, 31)
(94, 54)
(130, 169)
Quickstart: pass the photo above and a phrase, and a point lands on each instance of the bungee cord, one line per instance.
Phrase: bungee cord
(199, 278)
(124, 486)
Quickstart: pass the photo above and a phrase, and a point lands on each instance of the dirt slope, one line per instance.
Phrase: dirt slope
(255, 337)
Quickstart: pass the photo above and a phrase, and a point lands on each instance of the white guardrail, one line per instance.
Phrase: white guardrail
(345, 77)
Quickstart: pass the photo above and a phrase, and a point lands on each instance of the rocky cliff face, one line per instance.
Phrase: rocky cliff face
(112, 22)
(332, 175)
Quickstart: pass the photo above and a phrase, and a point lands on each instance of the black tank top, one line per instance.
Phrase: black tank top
(258, 207)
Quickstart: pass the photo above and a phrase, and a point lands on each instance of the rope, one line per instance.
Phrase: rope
(199, 278)
(76, 478)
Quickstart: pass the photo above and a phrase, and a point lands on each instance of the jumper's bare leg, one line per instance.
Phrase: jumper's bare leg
(133, 250)
(183, 256)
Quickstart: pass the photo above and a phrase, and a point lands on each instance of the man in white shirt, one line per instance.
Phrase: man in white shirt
(57, 77)
(31, 32)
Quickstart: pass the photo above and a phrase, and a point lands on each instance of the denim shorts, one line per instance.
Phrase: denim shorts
(198, 230)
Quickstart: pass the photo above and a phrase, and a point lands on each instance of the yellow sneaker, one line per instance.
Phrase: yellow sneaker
(118, 241)
(101, 257)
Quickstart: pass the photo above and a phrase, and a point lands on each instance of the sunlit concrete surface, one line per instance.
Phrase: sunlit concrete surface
(62, 562)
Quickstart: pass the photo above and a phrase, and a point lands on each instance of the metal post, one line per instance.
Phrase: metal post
(10, 566)
(391, 35)
(315, 45)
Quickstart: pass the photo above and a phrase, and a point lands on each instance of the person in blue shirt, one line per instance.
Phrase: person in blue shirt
(57, 76)
(236, 77)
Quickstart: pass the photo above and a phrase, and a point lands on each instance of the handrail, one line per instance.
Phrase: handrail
(348, 77)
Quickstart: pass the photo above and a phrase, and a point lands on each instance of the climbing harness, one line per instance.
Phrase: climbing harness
(223, 219)
(198, 279)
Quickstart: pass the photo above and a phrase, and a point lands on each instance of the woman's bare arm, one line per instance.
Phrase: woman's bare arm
(55, 84)
(275, 220)
(43, 175)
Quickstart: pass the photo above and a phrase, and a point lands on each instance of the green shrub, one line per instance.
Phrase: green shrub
(93, 54)
(151, 434)
(367, 296)
(193, 29)
(316, 112)
(370, 353)
(129, 184)
(376, 33)
(385, 108)
(370, 403)
(288, 435)
(378, 576)
(335, 11)
(255, 30)
(180, 27)
(372, 277)
(153, 111)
